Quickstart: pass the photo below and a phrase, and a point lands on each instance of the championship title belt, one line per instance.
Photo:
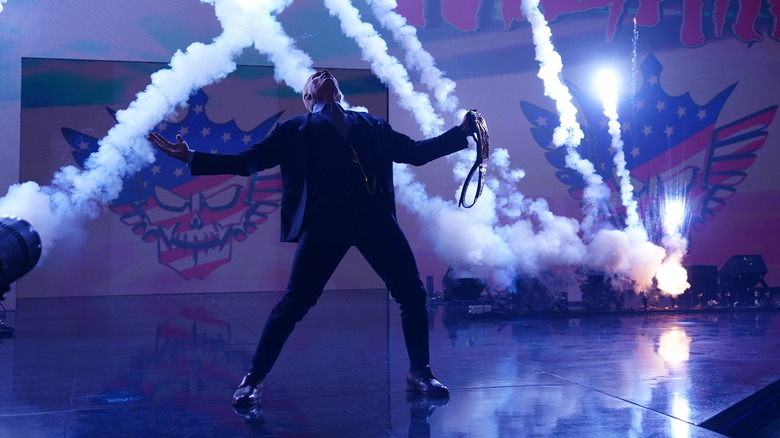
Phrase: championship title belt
(482, 138)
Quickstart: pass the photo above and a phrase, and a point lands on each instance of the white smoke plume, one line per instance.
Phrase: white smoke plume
(256, 19)
(1, 4)
(672, 277)
(627, 254)
(75, 195)
(609, 99)
(417, 58)
(569, 132)
(386, 67)
(638, 257)
(504, 233)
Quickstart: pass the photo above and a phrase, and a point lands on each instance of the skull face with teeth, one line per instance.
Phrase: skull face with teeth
(196, 224)
(194, 220)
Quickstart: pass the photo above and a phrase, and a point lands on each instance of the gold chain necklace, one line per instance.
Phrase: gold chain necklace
(371, 189)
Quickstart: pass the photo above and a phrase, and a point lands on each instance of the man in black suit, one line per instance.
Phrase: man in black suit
(337, 180)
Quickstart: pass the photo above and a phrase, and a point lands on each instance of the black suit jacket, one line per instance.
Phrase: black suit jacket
(288, 144)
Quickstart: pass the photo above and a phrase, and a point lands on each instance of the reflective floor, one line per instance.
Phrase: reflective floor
(166, 366)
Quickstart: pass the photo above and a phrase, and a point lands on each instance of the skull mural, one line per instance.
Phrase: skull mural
(194, 220)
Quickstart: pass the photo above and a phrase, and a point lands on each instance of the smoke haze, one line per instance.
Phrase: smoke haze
(503, 235)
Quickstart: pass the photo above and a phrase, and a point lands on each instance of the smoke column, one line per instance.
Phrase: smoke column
(672, 277)
(255, 18)
(75, 195)
(504, 233)
(568, 133)
(1, 4)
(609, 99)
(417, 58)
(628, 254)
(387, 68)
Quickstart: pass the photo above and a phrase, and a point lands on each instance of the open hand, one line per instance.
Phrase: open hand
(179, 150)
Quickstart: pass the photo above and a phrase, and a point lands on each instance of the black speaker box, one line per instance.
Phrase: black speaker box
(742, 271)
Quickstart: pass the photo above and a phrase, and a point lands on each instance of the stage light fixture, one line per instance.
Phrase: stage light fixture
(20, 251)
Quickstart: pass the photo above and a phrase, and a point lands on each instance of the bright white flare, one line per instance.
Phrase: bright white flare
(607, 84)
(672, 277)
(674, 212)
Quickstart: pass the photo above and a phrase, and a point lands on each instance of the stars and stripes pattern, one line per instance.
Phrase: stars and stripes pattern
(671, 144)
(194, 220)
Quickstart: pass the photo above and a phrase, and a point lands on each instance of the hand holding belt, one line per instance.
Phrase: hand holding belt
(482, 138)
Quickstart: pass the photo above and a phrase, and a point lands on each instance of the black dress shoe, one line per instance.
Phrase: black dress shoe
(424, 382)
(248, 392)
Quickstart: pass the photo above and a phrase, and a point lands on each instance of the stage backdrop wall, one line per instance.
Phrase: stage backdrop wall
(698, 105)
(170, 232)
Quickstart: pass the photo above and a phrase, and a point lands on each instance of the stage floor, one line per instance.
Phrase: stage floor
(166, 366)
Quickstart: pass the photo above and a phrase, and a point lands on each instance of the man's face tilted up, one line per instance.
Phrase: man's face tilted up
(320, 87)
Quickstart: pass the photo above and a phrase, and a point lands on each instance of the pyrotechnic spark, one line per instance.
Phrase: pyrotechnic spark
(674, 213)
(634, 44)
(672, 277)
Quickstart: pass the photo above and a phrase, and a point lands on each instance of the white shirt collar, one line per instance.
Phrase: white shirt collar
(320, 105)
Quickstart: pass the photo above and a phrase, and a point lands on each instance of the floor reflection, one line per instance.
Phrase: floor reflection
(167, 365)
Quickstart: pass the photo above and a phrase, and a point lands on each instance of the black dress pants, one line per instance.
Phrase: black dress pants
(322, 245)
